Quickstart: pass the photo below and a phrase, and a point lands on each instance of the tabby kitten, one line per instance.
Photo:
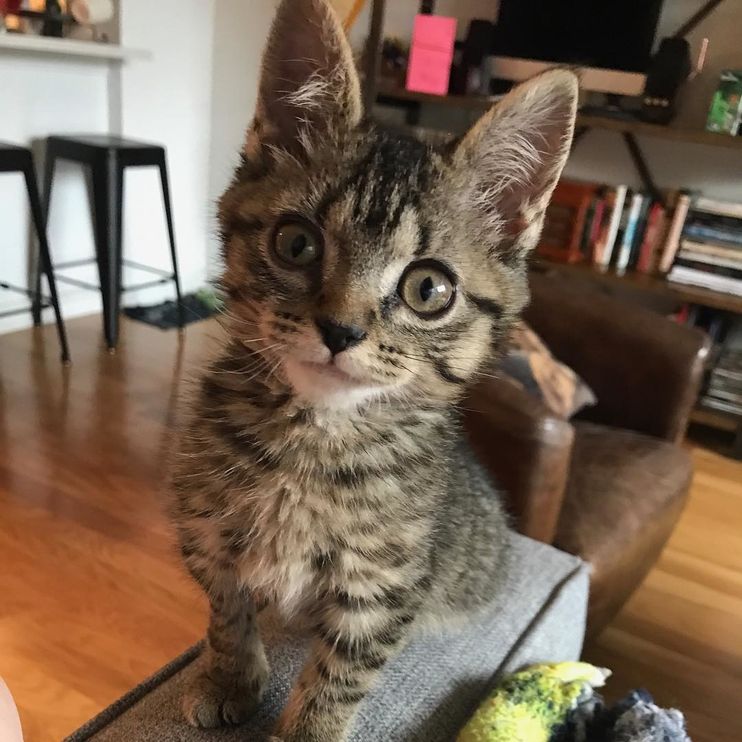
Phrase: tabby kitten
(369, 277)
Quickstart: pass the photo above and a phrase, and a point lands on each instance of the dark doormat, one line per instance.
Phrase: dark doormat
(196, 307)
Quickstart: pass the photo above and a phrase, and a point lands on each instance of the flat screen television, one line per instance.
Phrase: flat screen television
(610, 41)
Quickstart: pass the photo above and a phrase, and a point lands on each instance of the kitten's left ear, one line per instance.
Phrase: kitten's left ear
(513, 156)
(309, 88)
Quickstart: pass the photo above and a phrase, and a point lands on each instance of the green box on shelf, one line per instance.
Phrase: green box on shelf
(726, 107)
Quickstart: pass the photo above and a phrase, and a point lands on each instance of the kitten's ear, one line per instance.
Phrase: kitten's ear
(513, 156)
(309, 88)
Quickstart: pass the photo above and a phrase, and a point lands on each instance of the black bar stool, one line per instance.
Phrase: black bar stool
(107, 157)
(14, 159)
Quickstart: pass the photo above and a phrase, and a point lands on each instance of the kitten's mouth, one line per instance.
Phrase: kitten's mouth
(330, 370)
(328, 385)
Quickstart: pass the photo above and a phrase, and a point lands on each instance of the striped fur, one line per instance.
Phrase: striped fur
(355, 506)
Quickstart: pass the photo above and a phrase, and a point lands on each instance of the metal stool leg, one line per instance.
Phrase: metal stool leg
(108, 202)
(171, 232)
(44, 259)
(49, 165)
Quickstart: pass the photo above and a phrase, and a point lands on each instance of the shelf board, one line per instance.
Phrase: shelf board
(713, 418)
(44, 45)
(650, 284)
(655, 131)
(388, 92)
(468, 102)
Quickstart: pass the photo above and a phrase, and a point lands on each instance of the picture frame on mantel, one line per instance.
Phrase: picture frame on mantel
(76, 19)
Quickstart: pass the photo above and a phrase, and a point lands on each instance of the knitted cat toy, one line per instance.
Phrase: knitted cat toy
(557, 703)
(529, 705)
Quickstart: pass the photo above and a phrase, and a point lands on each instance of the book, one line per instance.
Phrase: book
(596, 224)
(727, 374)
(627, 243)
(723, 208)
(717, 404)
(641, 228)
(653, 234)
(715, 270)
(710, 248)
(604, 247)
(588, 228)
(716, 233)
(728, 386)
(672, 243)
(726, 395)
(721, 221)
(730, 365)
(711, 260)
(622, 224)
(704, 279)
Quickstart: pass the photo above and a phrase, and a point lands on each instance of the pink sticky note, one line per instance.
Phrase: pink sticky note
(431, 54)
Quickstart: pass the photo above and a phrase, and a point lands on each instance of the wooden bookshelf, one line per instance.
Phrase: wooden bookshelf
(390, 92)
(657, 285)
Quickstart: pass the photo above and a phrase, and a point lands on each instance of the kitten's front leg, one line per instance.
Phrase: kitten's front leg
(355, 638)
(234, 670)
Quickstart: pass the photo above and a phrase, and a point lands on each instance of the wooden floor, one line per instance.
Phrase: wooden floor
(92, 596)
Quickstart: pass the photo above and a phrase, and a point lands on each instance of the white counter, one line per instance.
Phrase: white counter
(26, 44)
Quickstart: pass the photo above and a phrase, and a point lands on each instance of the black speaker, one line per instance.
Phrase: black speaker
(670, 68)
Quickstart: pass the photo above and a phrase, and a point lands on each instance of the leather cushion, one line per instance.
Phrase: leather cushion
(625, 494)
(619, 480)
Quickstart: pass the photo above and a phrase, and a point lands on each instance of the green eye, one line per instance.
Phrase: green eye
(427, 288)
(297, 243)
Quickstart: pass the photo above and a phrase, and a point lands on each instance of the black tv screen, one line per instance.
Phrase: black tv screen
(608, 34)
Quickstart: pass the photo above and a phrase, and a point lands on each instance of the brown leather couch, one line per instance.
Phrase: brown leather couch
(610, 485)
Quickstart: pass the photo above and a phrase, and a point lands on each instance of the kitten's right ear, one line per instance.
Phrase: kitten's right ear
(309, 88)
(511, 160)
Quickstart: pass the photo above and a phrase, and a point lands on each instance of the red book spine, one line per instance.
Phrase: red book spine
(654, 222)
(597, 225)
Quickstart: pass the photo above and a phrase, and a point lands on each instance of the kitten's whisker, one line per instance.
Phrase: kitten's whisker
(254, 340)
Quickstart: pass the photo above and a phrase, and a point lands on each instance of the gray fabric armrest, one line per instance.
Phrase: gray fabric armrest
(425, 695)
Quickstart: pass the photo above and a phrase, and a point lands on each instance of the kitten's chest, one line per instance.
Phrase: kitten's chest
(290, 531)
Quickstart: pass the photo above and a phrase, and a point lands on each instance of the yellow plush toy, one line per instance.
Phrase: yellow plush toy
(529, 705)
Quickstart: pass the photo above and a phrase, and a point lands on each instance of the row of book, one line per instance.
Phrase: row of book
(709, 250)
(724, 389)
(694, 240)
(629, 231)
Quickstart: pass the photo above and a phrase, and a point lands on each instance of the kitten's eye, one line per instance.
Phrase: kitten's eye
(427, 288)
(297, 243)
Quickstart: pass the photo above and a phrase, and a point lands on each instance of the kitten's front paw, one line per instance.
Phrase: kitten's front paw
(208, 704)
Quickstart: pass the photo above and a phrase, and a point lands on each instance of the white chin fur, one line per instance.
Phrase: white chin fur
(324, 390)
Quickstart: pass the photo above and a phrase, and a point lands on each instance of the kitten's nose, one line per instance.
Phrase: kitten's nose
(339, 337)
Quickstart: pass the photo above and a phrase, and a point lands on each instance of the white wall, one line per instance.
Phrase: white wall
(240, 32)
(167, 99)
(41, 95)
